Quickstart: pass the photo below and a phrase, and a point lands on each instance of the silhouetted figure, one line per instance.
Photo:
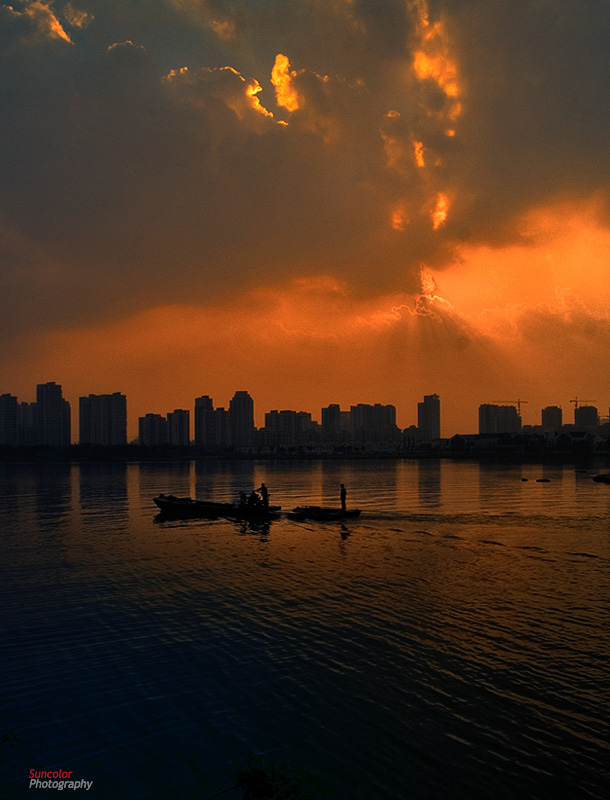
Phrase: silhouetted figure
(243, 500)
(264, 495)
(253, 499)
(343, 497)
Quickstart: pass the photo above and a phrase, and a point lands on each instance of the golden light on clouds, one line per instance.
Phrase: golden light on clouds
(238, 94)
(490, 284)
(428, 284)
(252, 89)
(76, 17)
(400, 217)
(434, 61)
(439, 215)
(281, 78)
(439, 68)
(46, 20)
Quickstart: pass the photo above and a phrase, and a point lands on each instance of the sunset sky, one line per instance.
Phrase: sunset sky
(318, 201)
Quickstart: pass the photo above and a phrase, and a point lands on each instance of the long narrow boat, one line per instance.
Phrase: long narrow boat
(187, 508)
(323, 513)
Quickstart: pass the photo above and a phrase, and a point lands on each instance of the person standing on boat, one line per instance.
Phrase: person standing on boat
(343, 497)
(264, 494)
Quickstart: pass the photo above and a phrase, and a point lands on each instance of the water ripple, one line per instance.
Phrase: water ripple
(451, 643)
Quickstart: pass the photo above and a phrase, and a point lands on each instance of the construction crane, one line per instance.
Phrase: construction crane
(512, 403)
(576, 401)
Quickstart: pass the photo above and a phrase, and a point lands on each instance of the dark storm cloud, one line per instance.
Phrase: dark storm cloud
(536, 79)
(127, 180)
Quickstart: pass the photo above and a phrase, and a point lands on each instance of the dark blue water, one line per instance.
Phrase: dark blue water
(453, 642)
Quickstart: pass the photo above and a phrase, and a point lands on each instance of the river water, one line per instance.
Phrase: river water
(452, 642)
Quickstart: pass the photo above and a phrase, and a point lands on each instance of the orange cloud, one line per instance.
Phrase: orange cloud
(281, 78)
(76, 17)
(224, 83)
(400, 217)
(433, 61)
(565, 256)
(252, 89)
(441, 209)
(43, 16)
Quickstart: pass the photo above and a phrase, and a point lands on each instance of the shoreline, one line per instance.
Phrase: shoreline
(134, 454)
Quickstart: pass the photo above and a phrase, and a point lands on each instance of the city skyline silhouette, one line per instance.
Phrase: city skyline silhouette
(104, 419)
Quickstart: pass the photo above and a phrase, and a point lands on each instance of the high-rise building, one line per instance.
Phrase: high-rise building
(212, 425)
(204, 422)
(152, 430)
(103, 420)
(221, 436)
(307, 428)
(282, 427)
(373, 423)
(27, 421)
(498, 419)
(331, 420)
(586, 417)
(9, 424)
(429, 418)
(52, 416)
(178, 427)
(288, 429)
(241, 416)
(552, 418)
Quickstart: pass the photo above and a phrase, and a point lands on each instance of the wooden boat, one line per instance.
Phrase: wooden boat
(323, 513)
(603, 477)
(187, 508)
